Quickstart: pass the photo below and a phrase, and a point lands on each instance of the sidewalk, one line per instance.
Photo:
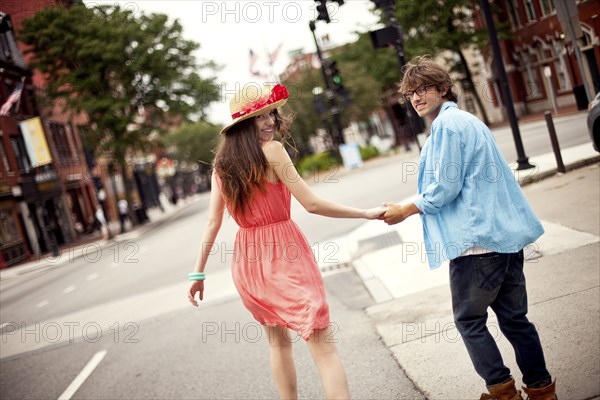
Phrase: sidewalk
(414, 314)
(71, 251)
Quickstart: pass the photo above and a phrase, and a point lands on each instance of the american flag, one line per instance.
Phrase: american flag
(273, 56)
(12, 99)
(253, 70)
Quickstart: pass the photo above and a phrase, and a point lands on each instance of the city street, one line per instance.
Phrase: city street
(124, 307)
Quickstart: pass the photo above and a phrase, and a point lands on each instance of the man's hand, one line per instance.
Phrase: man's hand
(397, 213)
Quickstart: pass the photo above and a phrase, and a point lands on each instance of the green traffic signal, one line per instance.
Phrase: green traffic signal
(337, 79)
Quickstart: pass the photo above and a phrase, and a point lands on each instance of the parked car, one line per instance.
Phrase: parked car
(593, 121)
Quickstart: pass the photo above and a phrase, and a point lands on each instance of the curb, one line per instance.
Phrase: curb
(549, 173)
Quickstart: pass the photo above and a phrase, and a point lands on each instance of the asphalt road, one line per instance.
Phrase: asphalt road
(157, 346)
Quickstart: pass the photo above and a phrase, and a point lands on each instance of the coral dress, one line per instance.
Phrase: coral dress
(274, 268)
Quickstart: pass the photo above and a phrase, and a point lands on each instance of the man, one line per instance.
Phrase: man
(475, 215)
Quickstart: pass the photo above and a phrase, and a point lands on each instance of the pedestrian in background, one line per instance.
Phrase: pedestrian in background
(475, 215)
(103, 224)
(123, 207)
(273, 268)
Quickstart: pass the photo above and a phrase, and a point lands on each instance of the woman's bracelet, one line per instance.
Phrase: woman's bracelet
(196, 276)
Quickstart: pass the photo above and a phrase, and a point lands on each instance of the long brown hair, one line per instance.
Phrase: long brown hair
(241, 163)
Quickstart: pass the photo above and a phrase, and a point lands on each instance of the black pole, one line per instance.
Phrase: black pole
(554, 140)
(389, 9)
(522, 160)
(338, 137)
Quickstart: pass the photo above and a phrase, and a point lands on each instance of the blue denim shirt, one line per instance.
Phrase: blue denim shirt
(467, 194)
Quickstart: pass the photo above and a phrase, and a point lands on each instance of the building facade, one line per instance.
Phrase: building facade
(540, 59)
(47, 199)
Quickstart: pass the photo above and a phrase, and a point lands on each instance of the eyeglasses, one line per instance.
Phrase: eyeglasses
(421, 90)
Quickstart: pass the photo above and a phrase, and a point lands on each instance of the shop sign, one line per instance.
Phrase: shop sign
(35, 141)
(45, 176)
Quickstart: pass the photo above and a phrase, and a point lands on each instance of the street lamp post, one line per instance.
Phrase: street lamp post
(338, 135)
(522, 160)
(388, 7)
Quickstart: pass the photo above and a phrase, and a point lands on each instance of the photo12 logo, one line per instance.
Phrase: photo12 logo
(250, 11)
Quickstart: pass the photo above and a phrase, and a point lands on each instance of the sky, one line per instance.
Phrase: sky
(227, 30)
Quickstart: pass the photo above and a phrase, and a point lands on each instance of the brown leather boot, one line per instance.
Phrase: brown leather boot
(502, 391)
(545, 393)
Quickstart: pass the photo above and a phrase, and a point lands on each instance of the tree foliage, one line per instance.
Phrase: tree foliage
(431, 26)
(312, 112)
(133, 75)
(195, 142)
(379, 65)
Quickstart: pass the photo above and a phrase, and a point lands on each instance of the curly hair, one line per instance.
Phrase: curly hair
(240, 162)
(423, 71)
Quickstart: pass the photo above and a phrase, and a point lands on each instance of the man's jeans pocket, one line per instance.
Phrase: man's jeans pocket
(490, 270)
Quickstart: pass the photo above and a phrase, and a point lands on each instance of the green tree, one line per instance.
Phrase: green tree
(195, 142)
(434, 26)
(134, 76)
(312, 112)
(380, 65)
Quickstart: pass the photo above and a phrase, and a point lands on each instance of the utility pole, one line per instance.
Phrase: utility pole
(568, 16)
(338, 131)
(522, 160)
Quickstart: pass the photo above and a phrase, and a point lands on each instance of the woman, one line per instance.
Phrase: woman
(274, 269)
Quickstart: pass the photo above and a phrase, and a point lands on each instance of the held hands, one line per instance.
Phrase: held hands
(375, 213)
(397, 213)
(196, 286)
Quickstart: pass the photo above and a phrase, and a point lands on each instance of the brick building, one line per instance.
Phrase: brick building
(42, 206)
(539, 45)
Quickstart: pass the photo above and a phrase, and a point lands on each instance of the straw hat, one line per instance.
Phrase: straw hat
(253, 100)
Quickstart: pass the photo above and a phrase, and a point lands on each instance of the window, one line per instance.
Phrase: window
(513, 13)
(71, 137)
(9, 51)
(530, 9)
(547, 6)
(560, 65)
(5, 50)
(61, 143)
(18, 146)
(5, 163)
(530, 76)
(9, 232)
(11, 241)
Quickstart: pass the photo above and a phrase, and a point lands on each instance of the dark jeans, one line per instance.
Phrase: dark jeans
(495, 280)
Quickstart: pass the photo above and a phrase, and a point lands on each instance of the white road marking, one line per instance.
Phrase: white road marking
(3, 325)
(42, 303)
(92, 276)
(69, 289)
(83, 375)
(115, 264)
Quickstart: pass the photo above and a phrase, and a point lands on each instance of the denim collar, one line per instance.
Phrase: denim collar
(447, 105)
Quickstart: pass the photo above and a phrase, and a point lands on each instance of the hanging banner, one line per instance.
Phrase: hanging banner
(35, 142)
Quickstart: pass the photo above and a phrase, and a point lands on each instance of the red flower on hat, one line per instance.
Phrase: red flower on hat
(279, 92)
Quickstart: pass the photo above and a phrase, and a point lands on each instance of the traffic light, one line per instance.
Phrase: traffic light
(334, 74)
(322, 10)
(338, 83)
